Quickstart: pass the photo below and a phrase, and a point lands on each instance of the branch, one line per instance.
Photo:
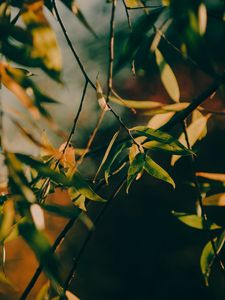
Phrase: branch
(71, 46)
(88, 237)
(39, 270)
(206, 224)
(183, 114)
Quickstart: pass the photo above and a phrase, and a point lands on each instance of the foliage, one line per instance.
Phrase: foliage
(33, 44)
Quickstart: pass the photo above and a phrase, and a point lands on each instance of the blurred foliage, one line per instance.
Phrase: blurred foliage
(33, 44)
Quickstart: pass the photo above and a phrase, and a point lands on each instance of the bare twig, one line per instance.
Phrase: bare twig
(128, 16)
(81, 66)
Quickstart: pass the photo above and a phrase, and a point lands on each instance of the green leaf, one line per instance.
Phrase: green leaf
(45, 46)
(153, 169)
(110, 161)
(194, 221)
(107, 152)
(206, 261)
(42, 249)
(208, 256)
(84, 188)
(137, 37)
(135, 169)
(162, 137)
(73, 6)
(167, 77)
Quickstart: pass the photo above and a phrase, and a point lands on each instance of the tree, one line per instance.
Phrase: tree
(174, 128)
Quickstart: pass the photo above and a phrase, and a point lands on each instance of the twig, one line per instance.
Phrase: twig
(183, 114)
(77, 116)
(111, 51)
(39, 270)
(206, 224)
(128, 16)
(145, 7)
(89, 235)
(81, 66)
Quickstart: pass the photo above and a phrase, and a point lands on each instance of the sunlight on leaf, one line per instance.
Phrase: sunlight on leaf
(195, 132)
(215, 200)
(193, 220)
(167, 76)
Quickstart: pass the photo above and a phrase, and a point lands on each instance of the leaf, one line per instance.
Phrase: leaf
(83, 187)
(159, 120)
(202, 18)
(153, 169)
(161, 137)
(135, 168)
(6, 285)
(45, 45)
(193, 221)
(80, 202)
(6, 219)
(37, 216)
(208, 257)
(140, 32)
(43, 292)
(61, 211)
(194, 132)
(100, 96)
(167, 77)
(73, 6)
(10, 83)
(133, 3)
(71, 296)
(215, 200)
(107, 152)
(110, 161)
(212, 176)
(136, 104)
(206, 261)
(42, 249)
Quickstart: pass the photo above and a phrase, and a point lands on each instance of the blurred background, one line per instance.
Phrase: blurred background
(139, 250)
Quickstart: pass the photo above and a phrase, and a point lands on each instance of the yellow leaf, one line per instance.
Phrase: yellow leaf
(212, 176)
(133, 3)
(167, 77)
(80, 202)
(101, 99)
(215, 200)
(136, 104)
(159, 120)
(202, 18)
(44, 39)
(71, 296)
(21, 94)
(194, 132)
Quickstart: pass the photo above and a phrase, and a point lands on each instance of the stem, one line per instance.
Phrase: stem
(88, 237)
(39, 270)
(206, 224)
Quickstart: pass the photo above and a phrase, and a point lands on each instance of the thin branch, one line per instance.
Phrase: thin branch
(71, 46)
(111, 51)
(183, 114)
(89, 235)
(39, 270)
(128, 16)
(179, 116)
(16, 18)
(145, 7)
(77, 116)
(206, 224)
